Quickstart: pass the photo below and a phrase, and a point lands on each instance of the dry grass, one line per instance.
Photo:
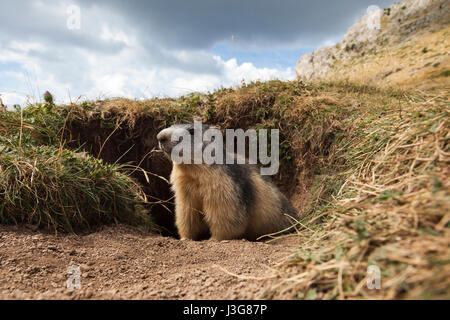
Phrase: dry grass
(392, 211)
(418, 62)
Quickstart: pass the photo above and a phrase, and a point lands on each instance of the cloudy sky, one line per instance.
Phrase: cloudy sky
(142, 49)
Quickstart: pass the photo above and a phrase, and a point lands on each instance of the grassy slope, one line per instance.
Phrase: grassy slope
(421, 62)
(386, 204)
(411, 51)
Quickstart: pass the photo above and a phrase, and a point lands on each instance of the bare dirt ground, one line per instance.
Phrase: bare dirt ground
(120, 262)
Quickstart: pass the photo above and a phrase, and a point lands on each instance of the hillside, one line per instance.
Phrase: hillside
(365, 161)
(405, 45)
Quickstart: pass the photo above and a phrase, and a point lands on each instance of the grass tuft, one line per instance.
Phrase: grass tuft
(62, 190)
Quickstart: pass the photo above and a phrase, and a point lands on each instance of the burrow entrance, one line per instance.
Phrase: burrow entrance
(132, 145)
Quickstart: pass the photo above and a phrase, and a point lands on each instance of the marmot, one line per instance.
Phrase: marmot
(225, 201)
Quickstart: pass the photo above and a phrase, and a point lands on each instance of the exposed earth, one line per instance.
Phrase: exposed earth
(120, 262)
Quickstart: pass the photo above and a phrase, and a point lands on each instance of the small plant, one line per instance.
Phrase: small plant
(48, 98)
(209, 113)
(350, 47)
(425, 50)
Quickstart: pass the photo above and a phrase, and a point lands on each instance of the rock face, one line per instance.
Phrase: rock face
(316, 64)
(378, 27)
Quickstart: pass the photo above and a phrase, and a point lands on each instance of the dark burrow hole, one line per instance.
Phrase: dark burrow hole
(132, 145)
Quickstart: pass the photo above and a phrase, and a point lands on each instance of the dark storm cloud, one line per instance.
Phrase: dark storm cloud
(45, 23)
(26, 21)
(202, 23)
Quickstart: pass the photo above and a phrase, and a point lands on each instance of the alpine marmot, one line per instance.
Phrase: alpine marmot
(225, 201)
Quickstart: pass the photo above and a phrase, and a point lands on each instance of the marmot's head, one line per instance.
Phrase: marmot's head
(187, 134)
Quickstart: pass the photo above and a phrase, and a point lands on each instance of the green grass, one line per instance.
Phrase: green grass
(58, 189)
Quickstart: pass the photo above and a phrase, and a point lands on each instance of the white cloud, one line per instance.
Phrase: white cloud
(94, 75)
(111, 34)
(248, 72)
(12, 98)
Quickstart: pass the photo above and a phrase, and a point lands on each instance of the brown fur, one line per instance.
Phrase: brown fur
(206, 200)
